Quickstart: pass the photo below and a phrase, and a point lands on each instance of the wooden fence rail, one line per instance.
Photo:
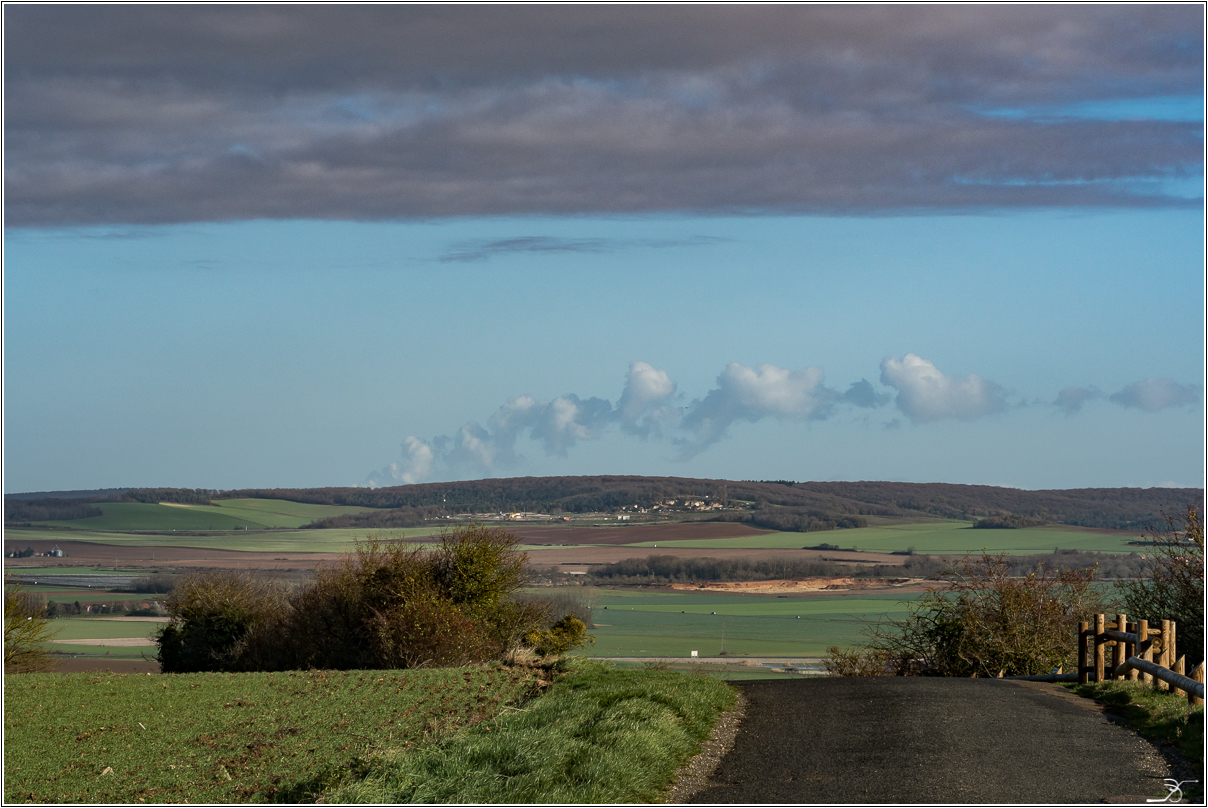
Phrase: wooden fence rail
(1133, 647)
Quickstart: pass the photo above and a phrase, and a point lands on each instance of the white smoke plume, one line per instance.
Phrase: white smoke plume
(647, 409)
(557, 425)
(642, 407)
(926, 394)
(746, 394)
(1151, 395)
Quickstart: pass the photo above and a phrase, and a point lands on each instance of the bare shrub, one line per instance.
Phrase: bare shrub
(860, 662)
(387, 604)
(26, 627)
(218, 619)
(1170, 580)
(982, 620)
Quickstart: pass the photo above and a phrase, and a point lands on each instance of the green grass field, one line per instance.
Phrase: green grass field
(670, 624)
(228, 514)
(91, 628)
(930, 538)
(228, 738)
(275, 541)
(67, 595)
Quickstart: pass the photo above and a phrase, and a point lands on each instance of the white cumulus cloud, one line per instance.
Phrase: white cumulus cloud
(926, 394)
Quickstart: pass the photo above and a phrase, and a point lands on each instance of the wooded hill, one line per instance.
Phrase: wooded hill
(777, 504)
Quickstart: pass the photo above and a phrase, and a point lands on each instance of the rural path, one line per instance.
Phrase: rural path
(925, 740)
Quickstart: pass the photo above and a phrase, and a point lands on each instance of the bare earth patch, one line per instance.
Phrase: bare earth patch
(790, 587)
(116, 642)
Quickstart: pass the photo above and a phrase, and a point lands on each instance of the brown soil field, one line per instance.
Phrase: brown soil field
(565, 545)
(86, 553)
(100, 664)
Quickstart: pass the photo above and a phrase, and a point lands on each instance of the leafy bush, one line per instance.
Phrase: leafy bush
(26, 627)
(567, 633)
(983, 620)
(1170, 580)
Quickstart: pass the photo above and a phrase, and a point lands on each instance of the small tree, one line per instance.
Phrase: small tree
(980, 621)
(1170, 581)
(26, 628)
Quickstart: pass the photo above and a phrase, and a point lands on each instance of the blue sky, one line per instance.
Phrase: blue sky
(176, 317)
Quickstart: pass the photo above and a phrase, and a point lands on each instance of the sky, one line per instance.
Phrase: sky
(295, 246)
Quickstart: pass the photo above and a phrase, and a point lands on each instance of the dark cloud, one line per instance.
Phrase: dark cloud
(1152, 395)
(862, 394)
(167, 113)
(1071, 399)
(481, 249)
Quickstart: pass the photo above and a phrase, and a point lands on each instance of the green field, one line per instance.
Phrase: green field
(64, 594)
(227, 738)
(87, 628)
(671, 624)
(229, 514)
(275, 541)
(929, 538)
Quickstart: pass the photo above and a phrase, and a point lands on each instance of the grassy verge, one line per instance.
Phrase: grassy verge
(600, 735)
(1157, 715)
(230, 738)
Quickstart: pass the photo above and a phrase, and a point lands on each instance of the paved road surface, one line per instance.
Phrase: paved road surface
(925, 740)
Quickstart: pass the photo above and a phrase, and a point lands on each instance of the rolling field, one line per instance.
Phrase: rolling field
(100, 628)
(228, 738)
(673, 624)
(231, 514)
(275, 541)
(929, 538)
(111, 638)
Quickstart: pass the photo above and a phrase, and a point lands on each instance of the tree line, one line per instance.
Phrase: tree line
(667, 569)
(775, 504)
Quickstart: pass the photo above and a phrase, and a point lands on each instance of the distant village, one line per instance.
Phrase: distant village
(665, 508)
(28, 552)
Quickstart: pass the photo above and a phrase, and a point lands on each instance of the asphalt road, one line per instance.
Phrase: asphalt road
(924, 740)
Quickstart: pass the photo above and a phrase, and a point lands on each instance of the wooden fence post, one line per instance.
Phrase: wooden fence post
(1100, 626)
(1133, 673)
(1083, 629)
(1164, 657)
(1145, 648)
(1198, 675)
(1179, 667)
(1121, 647)
(1174, 646)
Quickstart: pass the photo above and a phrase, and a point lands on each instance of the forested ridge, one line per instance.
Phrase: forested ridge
(776, 504)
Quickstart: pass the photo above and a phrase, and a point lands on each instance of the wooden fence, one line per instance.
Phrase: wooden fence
(1134, 646)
